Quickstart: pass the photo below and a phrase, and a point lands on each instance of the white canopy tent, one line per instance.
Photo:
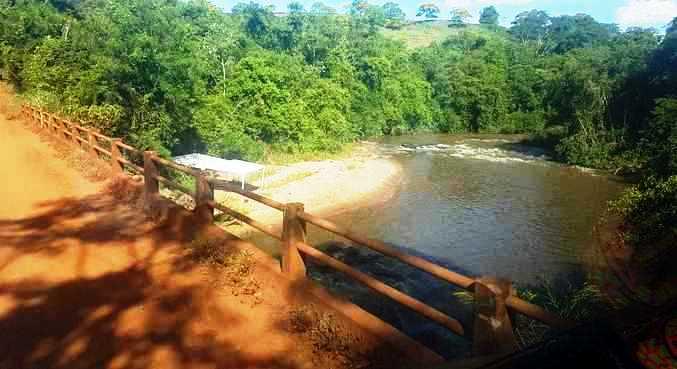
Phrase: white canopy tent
(238, 168)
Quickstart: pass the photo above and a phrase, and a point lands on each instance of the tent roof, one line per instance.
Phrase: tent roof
(206, 162)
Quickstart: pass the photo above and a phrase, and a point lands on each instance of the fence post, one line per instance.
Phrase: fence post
(58, 127)
(92, 141)
(151, 186)
(75, 134)
(204, 193)
(42, 119)
(57, 131)
(52, 126)
(115, 156)
(493, 334)
(293, 231)
(64, 129)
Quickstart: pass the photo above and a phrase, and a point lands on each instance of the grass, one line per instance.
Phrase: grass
(281, 158)
(236, 266)
(575, 303)
(418, 35)
(323, 330)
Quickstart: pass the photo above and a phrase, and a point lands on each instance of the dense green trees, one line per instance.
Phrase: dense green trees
(180, 76)
(183, 76)
(489, 16)
(394, 16)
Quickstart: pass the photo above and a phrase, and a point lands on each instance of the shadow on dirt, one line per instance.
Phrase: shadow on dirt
(139, 314)
(93, 283)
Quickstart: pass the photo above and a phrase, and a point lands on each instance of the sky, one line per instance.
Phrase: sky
(625, 13)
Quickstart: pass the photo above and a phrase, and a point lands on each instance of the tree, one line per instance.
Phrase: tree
(320, 9)
(359, 8)
(394, 16)
(392, 11)
(672, 27)
(458, 17)
(295, 17)
(428, 10)
(489, 16)
(581, 30)
(257, 18)
(530, 26)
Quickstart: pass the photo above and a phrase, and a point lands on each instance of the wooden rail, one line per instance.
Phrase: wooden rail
(492, 328)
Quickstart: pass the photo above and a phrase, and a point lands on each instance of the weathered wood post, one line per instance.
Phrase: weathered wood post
(293, 231)
(64, 129)
(115, 156)
(493, 334)
(151, 187)
(42, 119)
(91, 139)
(75, 134)
(204, 194)
(58, 132)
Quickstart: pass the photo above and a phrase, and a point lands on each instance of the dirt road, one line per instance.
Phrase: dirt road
(88, 282)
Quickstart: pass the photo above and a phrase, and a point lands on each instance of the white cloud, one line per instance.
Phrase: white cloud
(646, 13)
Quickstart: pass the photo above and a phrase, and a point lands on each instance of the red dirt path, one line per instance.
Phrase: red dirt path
(88, 282)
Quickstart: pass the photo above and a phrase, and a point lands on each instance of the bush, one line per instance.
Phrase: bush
(524, 122)
(582, 149)
(649, 211)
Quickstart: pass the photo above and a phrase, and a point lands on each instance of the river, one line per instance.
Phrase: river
(480, 206)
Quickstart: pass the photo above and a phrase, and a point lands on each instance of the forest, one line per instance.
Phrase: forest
(183, 76)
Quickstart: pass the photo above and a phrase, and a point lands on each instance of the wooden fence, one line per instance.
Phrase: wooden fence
(494, 299)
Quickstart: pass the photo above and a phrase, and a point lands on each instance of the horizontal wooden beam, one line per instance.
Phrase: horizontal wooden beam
(517, 304)
(225, 186)
(128, 163)
(128, 148)
(382, 288)
(174, 165)
(420, 263)
(175, 186)
(101, 150)
(247, 220)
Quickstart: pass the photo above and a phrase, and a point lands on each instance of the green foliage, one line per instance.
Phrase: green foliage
(183, 76)
(394, 16)
(649, 211)
(661, 142)
(458, 17)
(428, 10)
(489, 16)
(530, 26)
(571, 32)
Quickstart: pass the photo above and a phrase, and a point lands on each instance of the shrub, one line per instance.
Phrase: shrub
(585, 150)
(649, 211)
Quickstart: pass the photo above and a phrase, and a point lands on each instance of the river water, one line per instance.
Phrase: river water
(480, 206)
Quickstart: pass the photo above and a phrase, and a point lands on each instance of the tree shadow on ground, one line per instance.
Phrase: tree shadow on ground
(147, 311)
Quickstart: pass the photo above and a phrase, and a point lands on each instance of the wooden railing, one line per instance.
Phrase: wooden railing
(493, 298)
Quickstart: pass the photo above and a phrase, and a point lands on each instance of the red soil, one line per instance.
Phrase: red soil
(86, 281)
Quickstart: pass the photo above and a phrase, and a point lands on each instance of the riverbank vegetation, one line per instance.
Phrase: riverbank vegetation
(183, 76)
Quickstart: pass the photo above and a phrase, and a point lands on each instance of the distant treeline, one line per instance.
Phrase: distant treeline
(183, 76)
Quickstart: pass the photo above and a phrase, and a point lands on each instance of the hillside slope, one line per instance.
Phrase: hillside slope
(422, 34)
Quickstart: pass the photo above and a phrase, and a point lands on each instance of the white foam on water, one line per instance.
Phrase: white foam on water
(493, 154)
(466, 150)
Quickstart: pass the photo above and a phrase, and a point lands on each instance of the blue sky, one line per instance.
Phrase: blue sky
(645, 13)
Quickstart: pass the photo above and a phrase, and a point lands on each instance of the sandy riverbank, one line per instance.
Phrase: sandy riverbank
(327, 187)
